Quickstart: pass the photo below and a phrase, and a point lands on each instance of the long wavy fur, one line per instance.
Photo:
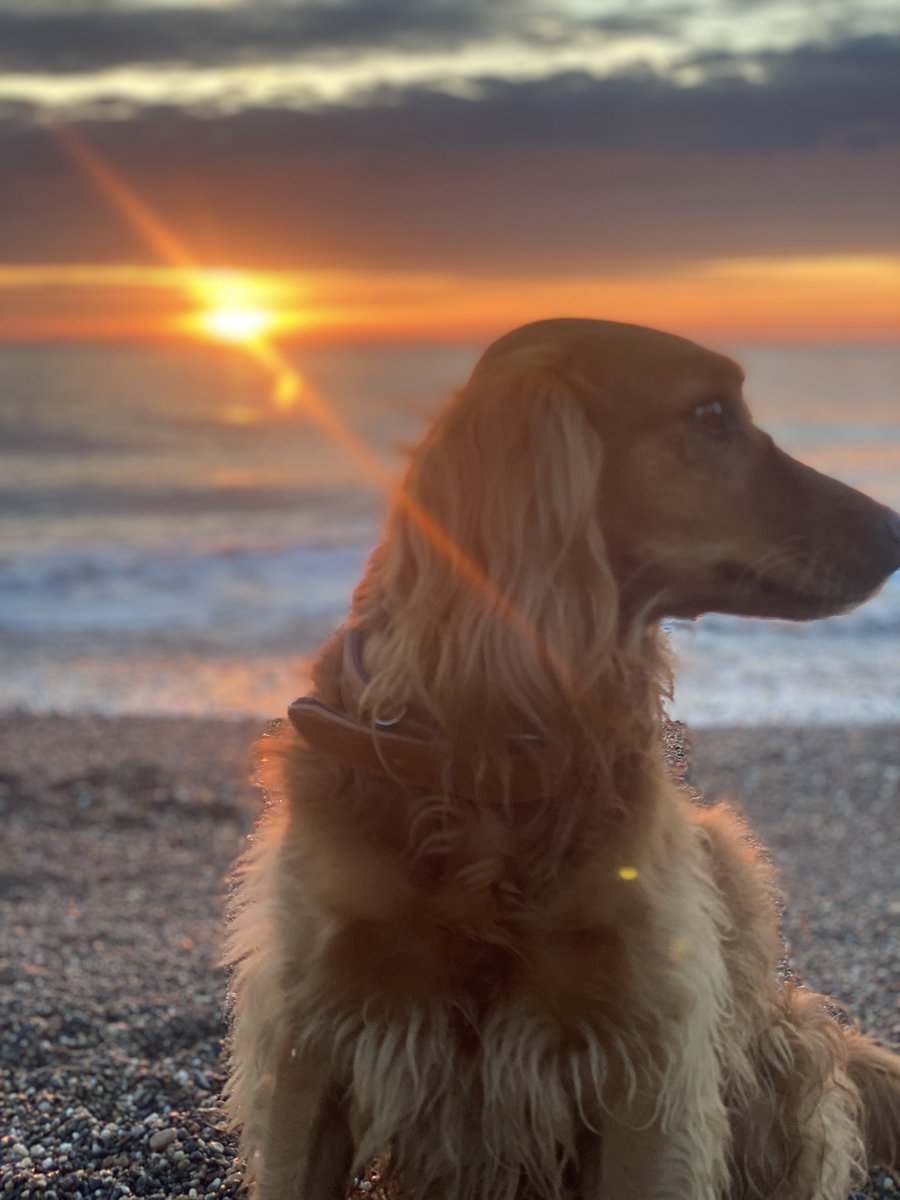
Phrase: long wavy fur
(517, 1000)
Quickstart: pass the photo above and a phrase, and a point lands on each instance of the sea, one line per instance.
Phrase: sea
(174, 542)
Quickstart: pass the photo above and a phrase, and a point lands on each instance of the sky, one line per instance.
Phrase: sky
(431, 170)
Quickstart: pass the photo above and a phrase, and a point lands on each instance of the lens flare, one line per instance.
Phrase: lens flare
(226, 292)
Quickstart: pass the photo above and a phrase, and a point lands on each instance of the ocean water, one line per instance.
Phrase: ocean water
(173, 542)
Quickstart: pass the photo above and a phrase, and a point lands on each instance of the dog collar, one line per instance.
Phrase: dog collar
(405, 751)
(401, 749)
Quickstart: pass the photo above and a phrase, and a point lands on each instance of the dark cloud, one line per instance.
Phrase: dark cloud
(84, 36)
(846, 94)
(89, 40)
(85, 39)
(568, 173)
(839, 60)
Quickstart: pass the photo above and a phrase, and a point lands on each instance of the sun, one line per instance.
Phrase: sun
(235, 324)
(240, 307)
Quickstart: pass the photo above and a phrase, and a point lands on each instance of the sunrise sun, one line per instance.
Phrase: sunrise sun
(237, 324)
(239, 307)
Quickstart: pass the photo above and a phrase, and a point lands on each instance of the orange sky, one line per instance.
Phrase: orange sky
(721, 175)
(849, 297)
(842, 298)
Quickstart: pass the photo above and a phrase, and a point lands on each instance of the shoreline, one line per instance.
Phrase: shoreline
(118, 836)
(229, 716)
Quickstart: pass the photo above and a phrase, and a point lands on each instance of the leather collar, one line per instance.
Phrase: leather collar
(402, 749)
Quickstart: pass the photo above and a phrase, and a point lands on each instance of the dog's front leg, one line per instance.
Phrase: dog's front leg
(588, 1167)
(305, 1149)
(633, 1165)
(649, 1164)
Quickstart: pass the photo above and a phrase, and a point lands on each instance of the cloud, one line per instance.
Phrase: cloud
(72, 37)
(96, 38)
(47, 37)
(846, 93)
(564, 173)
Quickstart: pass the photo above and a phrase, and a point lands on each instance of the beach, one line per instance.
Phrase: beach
(118, 837)
(251, 254)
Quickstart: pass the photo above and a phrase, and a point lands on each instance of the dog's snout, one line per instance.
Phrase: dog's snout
(893, 521)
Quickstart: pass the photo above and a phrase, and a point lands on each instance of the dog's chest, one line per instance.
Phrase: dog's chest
(509, 1080)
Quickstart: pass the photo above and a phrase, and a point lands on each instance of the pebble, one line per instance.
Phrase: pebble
(111, 1023)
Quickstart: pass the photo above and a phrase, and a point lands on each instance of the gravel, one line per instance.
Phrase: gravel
(826, 802)
(117, 837)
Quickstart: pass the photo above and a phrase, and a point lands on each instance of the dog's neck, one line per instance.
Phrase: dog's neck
(633, 683)
(598, 747)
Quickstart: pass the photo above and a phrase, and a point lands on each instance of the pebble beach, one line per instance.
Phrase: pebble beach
(118, 834)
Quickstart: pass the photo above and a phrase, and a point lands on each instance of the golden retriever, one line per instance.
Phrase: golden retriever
(481, 929)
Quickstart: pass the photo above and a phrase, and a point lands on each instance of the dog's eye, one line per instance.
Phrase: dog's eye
(711, 416)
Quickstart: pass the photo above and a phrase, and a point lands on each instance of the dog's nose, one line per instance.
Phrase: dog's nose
(893, 524)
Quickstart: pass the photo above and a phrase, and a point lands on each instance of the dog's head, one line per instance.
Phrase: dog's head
(699, 508)
(591, 478)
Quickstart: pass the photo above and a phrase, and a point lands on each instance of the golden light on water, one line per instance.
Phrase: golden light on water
(287, 390)
(240, 309)
(240, 414)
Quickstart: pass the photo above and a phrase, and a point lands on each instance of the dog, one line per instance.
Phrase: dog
(481, 932)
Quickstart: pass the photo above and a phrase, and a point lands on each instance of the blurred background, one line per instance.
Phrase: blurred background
(246, 249)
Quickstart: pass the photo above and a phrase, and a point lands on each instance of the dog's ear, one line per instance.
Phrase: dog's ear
(493, 584)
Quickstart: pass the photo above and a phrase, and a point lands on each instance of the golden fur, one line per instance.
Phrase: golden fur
(577, 996)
